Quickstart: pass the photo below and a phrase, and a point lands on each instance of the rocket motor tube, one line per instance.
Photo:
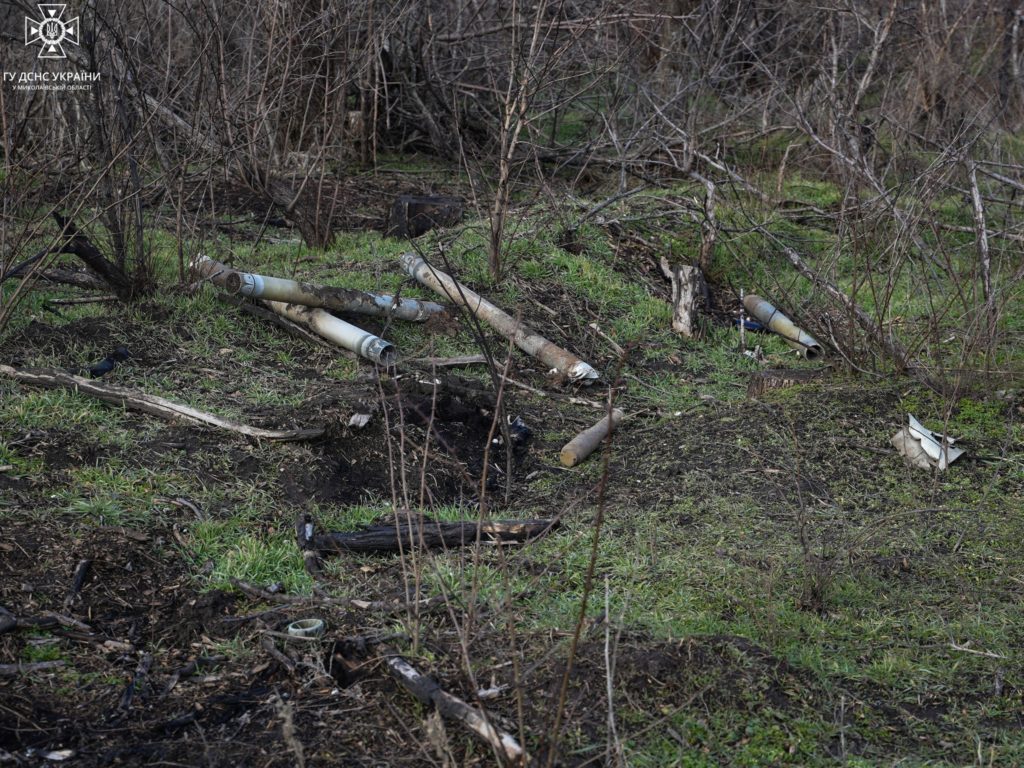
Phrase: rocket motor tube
(532, 343)
(771, 317)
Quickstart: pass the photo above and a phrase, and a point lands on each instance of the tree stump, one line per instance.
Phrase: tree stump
(688, 293)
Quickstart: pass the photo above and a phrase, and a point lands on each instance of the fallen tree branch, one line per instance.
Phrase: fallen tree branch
(428, 691)
(321, 599)
(984, 256)
(77, 581)
(449, 362)
(53, 378)
(688, 289)
(427, 535)
(45, 620)
(77, 278)
(14, 670)
(79, 245)
(190, 669)
(83, 300)
(267, 644)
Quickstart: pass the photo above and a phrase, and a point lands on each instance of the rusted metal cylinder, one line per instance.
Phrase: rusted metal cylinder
(588, 441)
(336, 330)
(325, 296)
(531, 343)
(777, 322)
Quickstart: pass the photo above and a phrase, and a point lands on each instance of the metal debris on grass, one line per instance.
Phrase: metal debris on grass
(923, 448)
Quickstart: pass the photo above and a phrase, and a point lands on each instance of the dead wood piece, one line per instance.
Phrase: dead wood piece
(588, 441)
(427, 535)
(268, 645)
(304, 528)
(79, 245)
(75, 277)
(138, 678)
(611, 342)
(48, 620)
(190, 669)
(459, 361)
(14, 670)
(82, 300)
(688, 289)
(53, 378)
(77, 580)
(762, 381)
(428, 691)
(708, 228)
(983, 248)
(8, 621)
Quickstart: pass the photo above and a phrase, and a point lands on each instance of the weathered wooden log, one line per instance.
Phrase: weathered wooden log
(53, 378)
(588, 441)
(426, 535)
(688, 292)
(429, 691)
(74, 277)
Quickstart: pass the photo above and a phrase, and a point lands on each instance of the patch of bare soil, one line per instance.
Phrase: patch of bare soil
(147, 673)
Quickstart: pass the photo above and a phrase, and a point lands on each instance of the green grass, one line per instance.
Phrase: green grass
(873, 589)
(261, 558)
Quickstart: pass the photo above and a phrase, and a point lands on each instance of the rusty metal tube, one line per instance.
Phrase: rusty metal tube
(777, 322)
(588, 441)
(531, 343)
(336, 330)
(325, 296)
